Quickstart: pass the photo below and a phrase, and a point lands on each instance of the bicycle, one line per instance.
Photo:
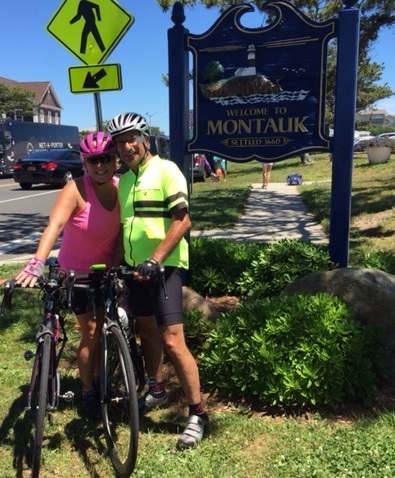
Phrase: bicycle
(44, 387)
(122, 370)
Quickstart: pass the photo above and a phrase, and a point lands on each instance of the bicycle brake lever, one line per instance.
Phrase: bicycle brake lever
(9, 287)
(163, 281)
(70, 289)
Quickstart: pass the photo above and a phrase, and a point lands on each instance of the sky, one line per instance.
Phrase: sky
(30, 53)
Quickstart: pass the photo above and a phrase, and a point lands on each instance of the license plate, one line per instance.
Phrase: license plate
(31, 168)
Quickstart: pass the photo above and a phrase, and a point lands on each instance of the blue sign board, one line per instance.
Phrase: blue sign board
(259, 93)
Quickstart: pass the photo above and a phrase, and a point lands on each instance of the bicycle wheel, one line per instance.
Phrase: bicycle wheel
(41, 403)
(119, 403)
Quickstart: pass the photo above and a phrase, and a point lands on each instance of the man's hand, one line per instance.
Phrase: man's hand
(148, 270)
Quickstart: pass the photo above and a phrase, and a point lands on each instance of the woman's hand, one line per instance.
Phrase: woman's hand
(31, 273)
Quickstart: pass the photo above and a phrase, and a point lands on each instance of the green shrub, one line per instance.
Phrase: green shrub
(380, 260)
(292, 350)
(197, 329)
(280, 264)
(220, 267)
(216, 264)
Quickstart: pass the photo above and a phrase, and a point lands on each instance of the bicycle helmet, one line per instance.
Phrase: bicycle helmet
(128, 122)
(97, 144)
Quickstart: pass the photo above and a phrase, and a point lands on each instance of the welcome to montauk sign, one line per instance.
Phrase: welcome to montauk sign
(259, 94)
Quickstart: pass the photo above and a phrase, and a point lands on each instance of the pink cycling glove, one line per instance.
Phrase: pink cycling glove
(35, 267)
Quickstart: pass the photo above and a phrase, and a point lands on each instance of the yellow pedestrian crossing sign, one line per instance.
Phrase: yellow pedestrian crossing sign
(95, 78)
(90, 29)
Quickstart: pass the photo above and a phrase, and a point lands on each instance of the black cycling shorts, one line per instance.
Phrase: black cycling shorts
(148, 298)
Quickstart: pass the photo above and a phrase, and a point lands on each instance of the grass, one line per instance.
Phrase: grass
(240, 444)
(217, 205)
(353, 442)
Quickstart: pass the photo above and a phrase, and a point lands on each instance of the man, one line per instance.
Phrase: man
(154, 215)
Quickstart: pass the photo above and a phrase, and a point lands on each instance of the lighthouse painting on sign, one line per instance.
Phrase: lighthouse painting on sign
(260, 93)
(247, 86)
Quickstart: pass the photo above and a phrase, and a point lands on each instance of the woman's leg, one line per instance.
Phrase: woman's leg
(88, 353)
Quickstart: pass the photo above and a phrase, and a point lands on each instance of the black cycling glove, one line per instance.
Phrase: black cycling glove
(149, 268)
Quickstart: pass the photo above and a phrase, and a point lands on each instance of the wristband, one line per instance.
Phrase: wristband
(35, 267)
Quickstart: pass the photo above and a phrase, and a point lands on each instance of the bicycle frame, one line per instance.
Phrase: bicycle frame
(52, 324)
(107, 279)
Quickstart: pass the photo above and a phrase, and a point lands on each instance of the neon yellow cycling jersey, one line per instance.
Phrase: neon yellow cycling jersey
(147, 202)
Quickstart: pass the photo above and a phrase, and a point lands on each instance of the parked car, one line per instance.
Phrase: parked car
(48, 166)
(387, 135)
(360, 143)
(158, 145)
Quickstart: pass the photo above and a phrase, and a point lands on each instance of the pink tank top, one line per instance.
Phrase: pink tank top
(89, 236)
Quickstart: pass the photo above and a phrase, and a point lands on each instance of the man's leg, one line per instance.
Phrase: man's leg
(188, 375)
(156, 396)
(182, 360)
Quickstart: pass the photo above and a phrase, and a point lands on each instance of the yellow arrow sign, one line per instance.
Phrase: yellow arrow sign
(95, 78)
(90, 29)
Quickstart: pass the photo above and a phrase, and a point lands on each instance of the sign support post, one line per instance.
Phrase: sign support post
(178, 90)
(344, 125)
(98, 110)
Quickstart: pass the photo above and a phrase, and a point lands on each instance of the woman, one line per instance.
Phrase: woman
(87, 212)
(266, 170)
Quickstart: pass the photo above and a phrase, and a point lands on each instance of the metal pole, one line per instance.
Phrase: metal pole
(98, 110)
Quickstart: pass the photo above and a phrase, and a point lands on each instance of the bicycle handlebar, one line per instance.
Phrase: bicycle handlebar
(60, 278)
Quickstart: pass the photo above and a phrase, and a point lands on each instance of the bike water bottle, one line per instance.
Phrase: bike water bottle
(124, 320)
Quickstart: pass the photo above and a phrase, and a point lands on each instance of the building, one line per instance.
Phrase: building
(375, 117)
(49, 107)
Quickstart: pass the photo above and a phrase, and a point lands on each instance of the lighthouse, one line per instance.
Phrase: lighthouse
(250, 69)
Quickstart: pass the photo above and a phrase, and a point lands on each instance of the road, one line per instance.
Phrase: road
(23, 217)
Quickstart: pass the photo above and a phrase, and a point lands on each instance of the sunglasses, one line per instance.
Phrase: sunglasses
(105, 158)
(131, 139)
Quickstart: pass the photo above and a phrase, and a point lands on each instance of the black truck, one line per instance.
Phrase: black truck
(20, 138)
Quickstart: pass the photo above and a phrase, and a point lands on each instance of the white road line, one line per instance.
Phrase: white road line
(17, 243)
(28, 197)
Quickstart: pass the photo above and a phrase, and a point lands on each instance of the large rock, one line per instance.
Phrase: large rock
(369, 292)
(194, 301)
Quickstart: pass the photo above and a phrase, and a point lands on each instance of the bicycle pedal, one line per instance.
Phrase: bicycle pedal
(68, 396)
(28, 354)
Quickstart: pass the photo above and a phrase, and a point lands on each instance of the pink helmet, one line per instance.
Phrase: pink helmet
(97, 144)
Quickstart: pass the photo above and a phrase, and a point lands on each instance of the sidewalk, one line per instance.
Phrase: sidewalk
(271, 215)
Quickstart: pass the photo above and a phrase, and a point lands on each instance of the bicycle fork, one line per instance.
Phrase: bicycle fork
(54, 375)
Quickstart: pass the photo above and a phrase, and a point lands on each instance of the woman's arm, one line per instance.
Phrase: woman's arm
(68, 201)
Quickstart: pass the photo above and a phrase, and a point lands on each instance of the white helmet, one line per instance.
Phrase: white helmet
(128, 122)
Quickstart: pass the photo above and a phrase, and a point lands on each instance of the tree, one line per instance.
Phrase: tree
(157, 131)
(375, 16)
(16, 99)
